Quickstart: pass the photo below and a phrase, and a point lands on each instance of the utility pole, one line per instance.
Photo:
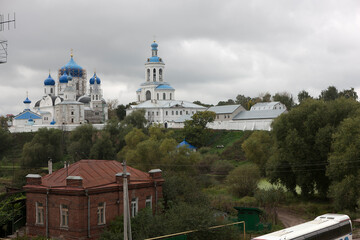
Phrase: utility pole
(126, 213)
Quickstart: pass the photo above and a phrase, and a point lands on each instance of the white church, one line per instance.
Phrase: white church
(66, 103)
(157, 97)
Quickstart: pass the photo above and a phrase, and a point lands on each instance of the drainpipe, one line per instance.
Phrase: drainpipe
(47, 214)
(156, 197)
(88, 207)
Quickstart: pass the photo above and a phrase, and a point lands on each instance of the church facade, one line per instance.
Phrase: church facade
(67, 102)
(157, 97)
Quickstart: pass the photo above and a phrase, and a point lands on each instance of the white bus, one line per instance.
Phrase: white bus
(324, 227)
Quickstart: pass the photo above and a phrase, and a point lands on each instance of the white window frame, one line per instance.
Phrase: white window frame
(39, 213)
(101, 212)
(64, 212)
(134, 207)
(148, 202)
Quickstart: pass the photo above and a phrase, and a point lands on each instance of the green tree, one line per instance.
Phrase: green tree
(5, 140)
(243, 101)
(303, 142)
(121, 112)
(265, 97)
(112, 108)
(257, 148)
(349, 93)
(228, 102)
(81, 141)
(203, 104)
(346, 194)
(195, 130)
(243, 180)
(331, 93)
(285, 98)
(103, 148)
(47, 143)
(303, 95)
(136, 119)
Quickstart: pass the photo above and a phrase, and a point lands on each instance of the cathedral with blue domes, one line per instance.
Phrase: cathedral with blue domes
(67, 101)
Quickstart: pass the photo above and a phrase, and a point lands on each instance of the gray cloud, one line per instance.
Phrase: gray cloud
(213, 50)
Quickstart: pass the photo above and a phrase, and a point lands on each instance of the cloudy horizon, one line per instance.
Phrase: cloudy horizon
(213, 50)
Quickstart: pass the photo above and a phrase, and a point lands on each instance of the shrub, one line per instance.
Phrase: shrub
(243, 180)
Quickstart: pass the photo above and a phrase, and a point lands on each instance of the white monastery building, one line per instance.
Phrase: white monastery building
(157, 97)
(66, 103)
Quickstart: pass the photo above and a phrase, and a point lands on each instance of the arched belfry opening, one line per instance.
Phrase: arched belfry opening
(148, 75)
(148, 95)
(160, 75)
(154, 75)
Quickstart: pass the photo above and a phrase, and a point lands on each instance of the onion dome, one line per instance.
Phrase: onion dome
(27, 101)
(52, 122)
(49, 81)
(92, 80)
(154, 46)
(64, 78)
(72, 68)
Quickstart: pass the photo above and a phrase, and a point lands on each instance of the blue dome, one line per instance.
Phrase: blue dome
(154, 59)
(49, 81)
(27, 100)
(92, 80)
(52, 122)
(63, 78)
(72, 68)
(154, 45)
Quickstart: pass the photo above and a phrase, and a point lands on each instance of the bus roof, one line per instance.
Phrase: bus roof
(318, 223)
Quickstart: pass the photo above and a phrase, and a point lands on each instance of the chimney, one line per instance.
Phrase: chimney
(33, 179)
(50, 166)
(74, 181)
(119, 177)
(155, 173)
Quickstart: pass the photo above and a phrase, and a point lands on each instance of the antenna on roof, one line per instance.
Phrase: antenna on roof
(3, 42)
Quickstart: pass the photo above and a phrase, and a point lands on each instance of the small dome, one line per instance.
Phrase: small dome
(52, 122)
(154, 45)
(49, 81)
(84, 99)
(27, 100)
(92, 80)
(64, 78)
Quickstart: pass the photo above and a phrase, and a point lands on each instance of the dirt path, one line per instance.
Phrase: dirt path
(288, 217)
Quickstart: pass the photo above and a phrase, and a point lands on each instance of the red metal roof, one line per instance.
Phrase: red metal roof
(94, 173)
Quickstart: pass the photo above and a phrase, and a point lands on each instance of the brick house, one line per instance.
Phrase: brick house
(79, 201)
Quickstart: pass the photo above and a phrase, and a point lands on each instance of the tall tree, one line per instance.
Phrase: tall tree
(331, 93)
(112, 107)
(121, 112)
(285, 98)
(195, 129)
(81, 141)
(136, 119)
(303, 142)
(349, 93)
(103, 147)
(243, 101)
(47, 143)
(303, 95)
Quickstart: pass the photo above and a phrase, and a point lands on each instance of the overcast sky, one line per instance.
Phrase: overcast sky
(213, 50)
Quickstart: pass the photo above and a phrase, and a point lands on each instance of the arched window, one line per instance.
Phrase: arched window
(148, 95)
(164, 96)
(138, 98)
(160, 75)
(45, 90)
(148, 75)
(154, 75)
(157, 96)
(170, 96)
(51, 90)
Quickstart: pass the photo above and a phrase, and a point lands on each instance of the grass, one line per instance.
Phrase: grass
(223, 138)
